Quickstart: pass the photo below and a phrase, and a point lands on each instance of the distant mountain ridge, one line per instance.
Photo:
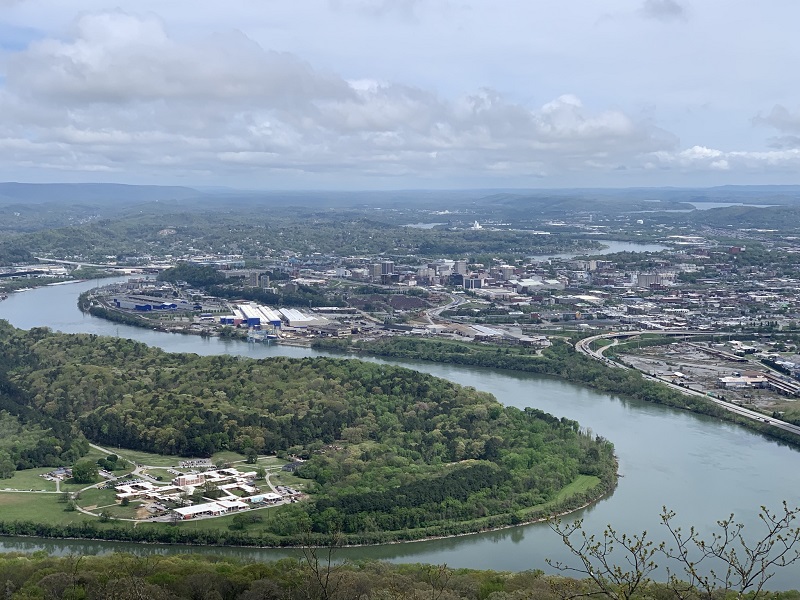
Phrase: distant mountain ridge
(116, 195)
(91, 193)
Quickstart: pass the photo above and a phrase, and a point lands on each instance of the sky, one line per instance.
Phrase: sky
(400, 94)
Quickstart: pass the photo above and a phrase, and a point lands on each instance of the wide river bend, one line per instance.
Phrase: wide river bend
(696, 466)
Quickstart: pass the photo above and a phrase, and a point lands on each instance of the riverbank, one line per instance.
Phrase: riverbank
(181, 534)
(132, 320)
(560, 360)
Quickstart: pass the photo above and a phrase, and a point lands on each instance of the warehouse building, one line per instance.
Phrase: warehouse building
(295, 318)
(142, 304)
(252, 316)
(269, 316)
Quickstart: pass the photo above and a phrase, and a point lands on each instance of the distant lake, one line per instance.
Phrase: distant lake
(423, 225)
(611, 247)
(710, 205)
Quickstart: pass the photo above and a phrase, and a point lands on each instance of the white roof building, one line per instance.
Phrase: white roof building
(219, 507)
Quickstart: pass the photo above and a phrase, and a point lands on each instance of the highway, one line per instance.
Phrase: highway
(436, 313)
(584, 346)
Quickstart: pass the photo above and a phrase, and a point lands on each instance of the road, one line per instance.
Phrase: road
(584, 346)
(437, 312)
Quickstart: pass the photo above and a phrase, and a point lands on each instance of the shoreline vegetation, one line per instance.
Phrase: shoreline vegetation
(560, 360)
(175, 536)
(388, 454)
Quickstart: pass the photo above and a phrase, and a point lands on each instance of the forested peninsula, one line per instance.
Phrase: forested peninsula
(388, 453)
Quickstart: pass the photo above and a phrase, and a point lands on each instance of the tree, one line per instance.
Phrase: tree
(84, 471)
(7, 466)
(747, 565)
(322, 571)
(600, 563)
(618, 566)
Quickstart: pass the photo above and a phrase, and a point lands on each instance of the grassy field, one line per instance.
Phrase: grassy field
(41, 508)
(600, 343)
(271, 461)
(149, 458)
(95, 497)
(29, 479)
(265, 513)
(167, 460)
(284, 478)
(115, 511)
(582, 484)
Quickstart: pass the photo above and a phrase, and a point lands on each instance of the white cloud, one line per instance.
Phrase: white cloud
(140, 97)
(123, 94)
(699, 158)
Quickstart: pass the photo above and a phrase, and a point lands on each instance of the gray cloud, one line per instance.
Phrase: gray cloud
(786, 122)
(663, 10)
(116, 57)
(785, 142)
(781, 119)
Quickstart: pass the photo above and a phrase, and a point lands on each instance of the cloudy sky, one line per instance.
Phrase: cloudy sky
(387, 94)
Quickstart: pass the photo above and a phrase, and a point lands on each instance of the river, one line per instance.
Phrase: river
(698, 467)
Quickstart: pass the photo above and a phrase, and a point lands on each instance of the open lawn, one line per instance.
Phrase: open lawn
(29, 479)
(265, 513)
(168, 460)
(41, 508)
(95, 497)
(227, 456)
(271, 461)
(582, 484)
(149, 458)
(284, 478)
(116, 511)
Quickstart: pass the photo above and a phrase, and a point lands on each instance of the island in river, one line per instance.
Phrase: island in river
(387, 454)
